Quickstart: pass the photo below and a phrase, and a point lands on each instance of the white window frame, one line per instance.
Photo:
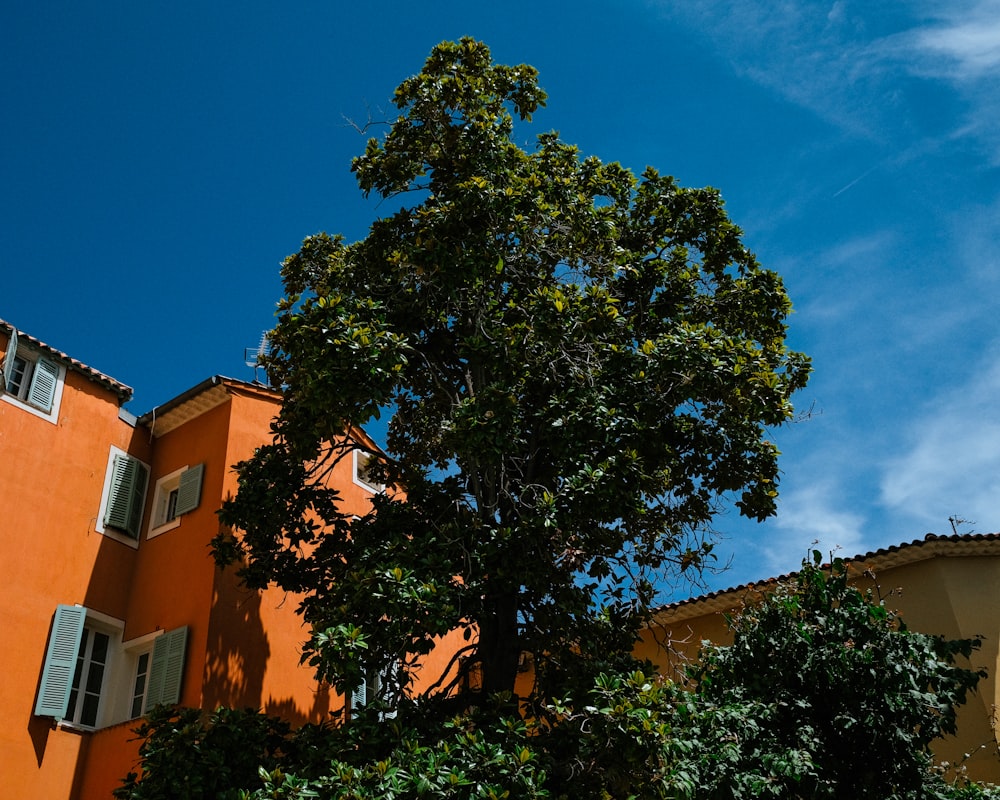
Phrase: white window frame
(374, 687)
(133, 650)
(109, 531)
(22, 398)
(96, 622)
(161, 509)
(165, 486)
(118, 687)
(361, 458)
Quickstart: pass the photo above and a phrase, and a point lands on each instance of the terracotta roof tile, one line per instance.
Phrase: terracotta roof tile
(895, 555)
(124, 392)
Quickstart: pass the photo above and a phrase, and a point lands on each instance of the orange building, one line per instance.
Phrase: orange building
(114, 602)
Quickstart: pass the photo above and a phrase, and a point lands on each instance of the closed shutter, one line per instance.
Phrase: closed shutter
(128, 488)
(44, 381)
(166, 669)
(8, 359)
(60, 661)
(189, 491)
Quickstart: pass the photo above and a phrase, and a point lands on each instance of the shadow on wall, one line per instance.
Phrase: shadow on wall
(239, 654)
(237, 650)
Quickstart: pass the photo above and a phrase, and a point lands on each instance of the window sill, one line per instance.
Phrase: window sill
(74, 727)
(166, 526)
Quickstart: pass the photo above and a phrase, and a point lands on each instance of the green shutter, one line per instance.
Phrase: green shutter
(127, 491)
(44, 380)
(8, 359)
(60, 661)
(166, 669)
(189, 491)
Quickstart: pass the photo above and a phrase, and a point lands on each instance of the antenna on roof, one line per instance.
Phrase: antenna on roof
(253, 355)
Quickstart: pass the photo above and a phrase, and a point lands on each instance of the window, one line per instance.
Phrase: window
(139, 685)
(88, 678)
(85, 677)
(32, 381)
(123, 497)
(378, 686)
(363, 462)
(176, 494)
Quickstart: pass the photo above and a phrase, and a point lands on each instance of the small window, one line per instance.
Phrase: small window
(32, 381)
(363, 462)
(176, 494)
(124, 496)
(377, 686)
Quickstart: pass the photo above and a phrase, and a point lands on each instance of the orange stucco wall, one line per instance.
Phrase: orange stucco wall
(242, 647)
(52, 478)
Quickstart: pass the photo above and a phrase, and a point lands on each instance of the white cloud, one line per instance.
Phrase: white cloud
(951, 462)
(962, 44)
(849, 61)
(811, 518)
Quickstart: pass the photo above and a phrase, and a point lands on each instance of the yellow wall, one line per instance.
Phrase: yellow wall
(952, 596)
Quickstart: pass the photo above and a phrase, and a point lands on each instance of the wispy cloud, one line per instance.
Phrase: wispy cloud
(810, 518)
(949, 463)
(961, 43)
(849, 61)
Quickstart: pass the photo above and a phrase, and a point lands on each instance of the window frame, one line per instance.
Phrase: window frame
(41, 387)
(62, 665)
(358, 470)
(102, 525)
(166, 653)
(185, 484)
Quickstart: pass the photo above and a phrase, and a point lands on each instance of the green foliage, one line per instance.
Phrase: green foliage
(186, 756)
(578, 363)
(852, 699)
(823, 694)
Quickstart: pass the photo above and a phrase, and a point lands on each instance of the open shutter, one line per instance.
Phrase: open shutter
(359, 696)
(60, 661)
(44, 381)
(128, 488)
(189, 491)
(8, 359)
(166, 669)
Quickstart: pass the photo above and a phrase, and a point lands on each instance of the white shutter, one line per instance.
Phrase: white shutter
(8, 360)
(359, 697)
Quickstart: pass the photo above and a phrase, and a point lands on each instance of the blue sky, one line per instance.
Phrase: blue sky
(157, 161)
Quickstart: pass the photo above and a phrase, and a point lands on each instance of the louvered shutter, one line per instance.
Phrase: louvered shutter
(8, 360)
(189, 491)
(128, 488)
(44, 380)
(60, 661)
(359, 697)
(166, 669)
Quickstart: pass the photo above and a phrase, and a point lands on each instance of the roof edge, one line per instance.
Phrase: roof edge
(931, 546)
(123, 391)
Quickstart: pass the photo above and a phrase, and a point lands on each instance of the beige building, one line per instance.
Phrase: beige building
(944, 585)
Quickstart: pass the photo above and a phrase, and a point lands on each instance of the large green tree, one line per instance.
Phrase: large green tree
(578, 365)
